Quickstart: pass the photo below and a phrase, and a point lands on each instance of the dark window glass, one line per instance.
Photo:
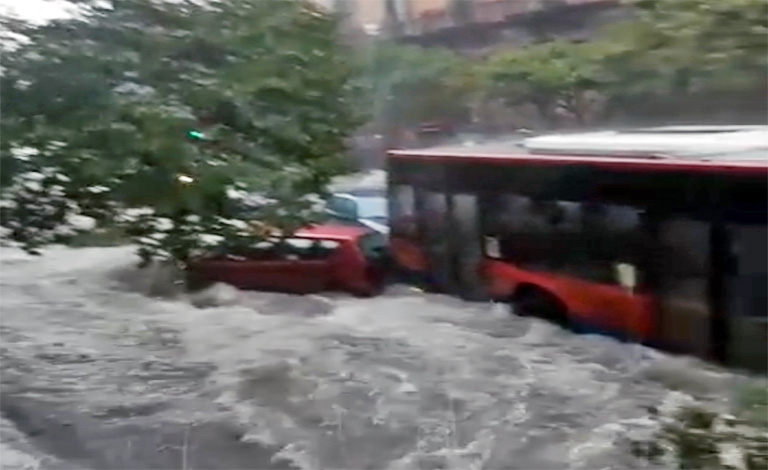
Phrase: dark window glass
(745, 198)
(684, 248)
(266, 250)
(342, 206)
(372, 245)
(746, 208)
(402, 209)
(308, 248)
(674, 192)
(749, 271)
(568, 237)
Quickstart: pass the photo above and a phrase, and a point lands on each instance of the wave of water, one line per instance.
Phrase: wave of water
(402, 381)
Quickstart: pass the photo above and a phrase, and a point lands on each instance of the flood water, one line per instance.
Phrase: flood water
(97, 375)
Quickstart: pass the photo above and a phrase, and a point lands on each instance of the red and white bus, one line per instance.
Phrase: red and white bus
(654, 235)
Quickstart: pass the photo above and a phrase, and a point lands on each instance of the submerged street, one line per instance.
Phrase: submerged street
(600, 163)
(98, 375)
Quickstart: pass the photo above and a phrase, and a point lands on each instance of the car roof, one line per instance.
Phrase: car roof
(364, 192)
(333, 231)
(371, 179)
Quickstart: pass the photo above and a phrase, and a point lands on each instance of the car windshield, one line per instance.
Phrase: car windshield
(372, 207)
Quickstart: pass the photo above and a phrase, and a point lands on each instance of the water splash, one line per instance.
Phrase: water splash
(406, 380)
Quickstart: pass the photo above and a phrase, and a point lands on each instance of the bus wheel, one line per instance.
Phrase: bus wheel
(539, 303)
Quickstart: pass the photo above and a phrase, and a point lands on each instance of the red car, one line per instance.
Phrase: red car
(314, 259)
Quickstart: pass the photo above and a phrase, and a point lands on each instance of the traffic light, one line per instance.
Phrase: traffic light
(197, 135)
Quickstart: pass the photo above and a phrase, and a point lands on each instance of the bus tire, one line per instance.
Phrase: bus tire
(537, 302)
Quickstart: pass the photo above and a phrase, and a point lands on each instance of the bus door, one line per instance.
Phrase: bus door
(430, 220)
(684, 284)
(747, 303)
(404, 233)
(432, 210)
(746, 271)
(467, 246)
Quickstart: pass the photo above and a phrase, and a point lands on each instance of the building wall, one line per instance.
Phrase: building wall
(373, 13)
(488, 22)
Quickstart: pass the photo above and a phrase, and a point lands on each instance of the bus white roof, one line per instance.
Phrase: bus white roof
(680, 141)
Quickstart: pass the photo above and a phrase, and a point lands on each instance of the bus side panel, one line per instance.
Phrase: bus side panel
(592, 307)
(558, 231)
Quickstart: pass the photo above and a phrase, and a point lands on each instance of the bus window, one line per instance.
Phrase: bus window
(684, 277)
(746, 204)
(402, 209)
(567, 237)
(745, 199)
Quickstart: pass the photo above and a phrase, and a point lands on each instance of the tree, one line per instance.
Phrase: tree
(408, 85)
(699, 436)
(553, 76)
(691, 45)
(178, 110)
(669, 54)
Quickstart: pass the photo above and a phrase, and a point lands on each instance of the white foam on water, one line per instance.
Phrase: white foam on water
(15, 452)
(400, 381)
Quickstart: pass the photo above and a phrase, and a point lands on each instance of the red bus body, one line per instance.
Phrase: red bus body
(592, 306)
(444, 202)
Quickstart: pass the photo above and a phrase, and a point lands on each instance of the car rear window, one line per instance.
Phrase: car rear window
(292, 248)
(310, 248)
(342, 206)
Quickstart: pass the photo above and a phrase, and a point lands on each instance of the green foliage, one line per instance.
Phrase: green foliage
(753, 404)
(667, 50)
(100, 237)
(696, 437)
(408, 85)
(550, 75)
(176, 107)
(693, 44)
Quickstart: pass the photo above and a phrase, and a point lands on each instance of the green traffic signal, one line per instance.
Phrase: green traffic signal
(197, 135)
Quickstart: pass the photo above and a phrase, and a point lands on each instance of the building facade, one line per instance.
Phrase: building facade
(475, 24)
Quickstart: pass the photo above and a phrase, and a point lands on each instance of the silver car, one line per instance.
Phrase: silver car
(367, 207)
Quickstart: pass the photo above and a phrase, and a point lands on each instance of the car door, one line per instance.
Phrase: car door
(262, 267)
(307, 268)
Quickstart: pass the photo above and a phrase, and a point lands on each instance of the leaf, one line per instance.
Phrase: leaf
(120, 87)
